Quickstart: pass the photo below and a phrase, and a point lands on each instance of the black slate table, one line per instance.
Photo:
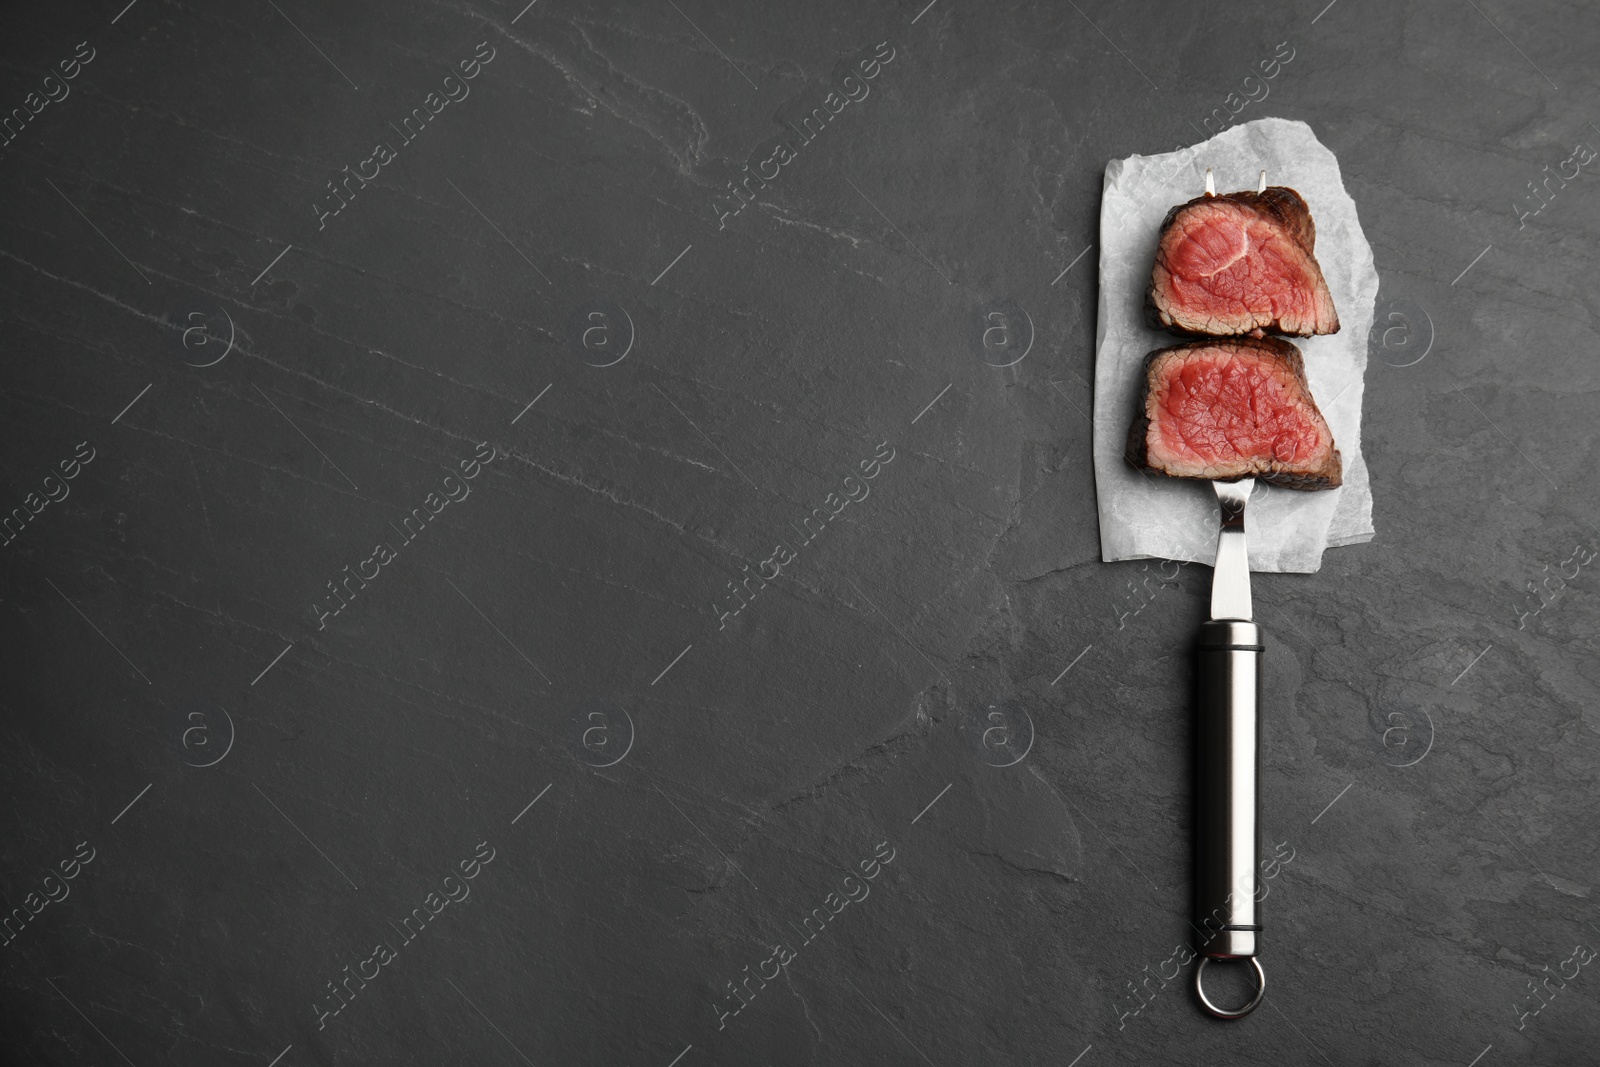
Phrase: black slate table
(565, 534)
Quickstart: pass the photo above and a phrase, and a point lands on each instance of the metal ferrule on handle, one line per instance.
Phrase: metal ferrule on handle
(1227, 823)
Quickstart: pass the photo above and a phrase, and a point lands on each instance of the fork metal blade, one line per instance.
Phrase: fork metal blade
(1230, 581)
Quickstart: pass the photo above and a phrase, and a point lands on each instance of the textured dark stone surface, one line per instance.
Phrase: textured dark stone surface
(501, 655)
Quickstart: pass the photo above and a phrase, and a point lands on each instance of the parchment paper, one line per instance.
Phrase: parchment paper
(1153, 516)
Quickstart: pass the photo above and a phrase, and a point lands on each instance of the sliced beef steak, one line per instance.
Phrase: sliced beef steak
(1227, 265)
(1234, 408)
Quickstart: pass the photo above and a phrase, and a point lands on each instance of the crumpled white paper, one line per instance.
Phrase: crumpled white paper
(1154, 516)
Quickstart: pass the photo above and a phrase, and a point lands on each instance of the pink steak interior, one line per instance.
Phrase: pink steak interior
(1217, 408)
(1230, 259)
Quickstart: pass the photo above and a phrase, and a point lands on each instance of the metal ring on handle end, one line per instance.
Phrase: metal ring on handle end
(1224, 1013)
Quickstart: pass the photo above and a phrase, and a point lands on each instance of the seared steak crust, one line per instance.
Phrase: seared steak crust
(1232, 408)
